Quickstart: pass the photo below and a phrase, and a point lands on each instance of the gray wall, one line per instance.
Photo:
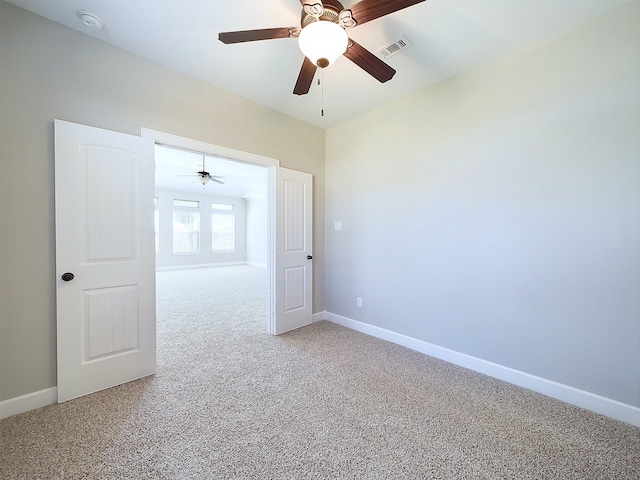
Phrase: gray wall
(48, 71)
(497, 214)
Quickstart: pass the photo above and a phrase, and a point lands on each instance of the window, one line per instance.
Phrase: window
(225, 207)
(186, 203)
(186, 226)
(223, 227)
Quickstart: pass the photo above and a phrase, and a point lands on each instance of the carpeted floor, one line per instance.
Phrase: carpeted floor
(230, 401)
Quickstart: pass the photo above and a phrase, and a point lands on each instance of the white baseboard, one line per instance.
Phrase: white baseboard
(257, 264)
(590, 401)
(31, 401)
(198, 265)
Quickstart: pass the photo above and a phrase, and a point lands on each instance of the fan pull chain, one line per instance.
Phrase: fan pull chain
(321, 91)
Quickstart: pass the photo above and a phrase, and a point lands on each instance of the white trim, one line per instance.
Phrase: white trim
(257, 264)
(211, 149)
(171, 140)
(596, 403)
(271, 249)
(199, 265)
(30, 401)
(590, 401)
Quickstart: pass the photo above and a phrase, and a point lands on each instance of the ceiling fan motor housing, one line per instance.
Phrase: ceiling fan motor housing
(331, 13)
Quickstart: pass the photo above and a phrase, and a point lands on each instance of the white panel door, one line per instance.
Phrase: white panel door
(105, 258)
(292, 266)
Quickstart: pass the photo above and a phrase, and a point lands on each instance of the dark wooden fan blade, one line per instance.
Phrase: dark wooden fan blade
(307, 72)
(367, 10)
(253, 35)
(369, 62)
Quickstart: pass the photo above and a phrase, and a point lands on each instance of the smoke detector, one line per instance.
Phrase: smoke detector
(91, 20)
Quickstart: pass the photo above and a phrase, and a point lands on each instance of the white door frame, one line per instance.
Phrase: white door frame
(184, 143)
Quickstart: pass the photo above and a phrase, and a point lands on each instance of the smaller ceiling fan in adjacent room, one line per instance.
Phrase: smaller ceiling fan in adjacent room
(204, 176)
(322, 36)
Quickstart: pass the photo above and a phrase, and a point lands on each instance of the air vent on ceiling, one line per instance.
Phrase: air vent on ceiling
(394, 48)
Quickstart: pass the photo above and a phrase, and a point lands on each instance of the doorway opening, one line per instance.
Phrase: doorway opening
(289, 228)
(211, 236)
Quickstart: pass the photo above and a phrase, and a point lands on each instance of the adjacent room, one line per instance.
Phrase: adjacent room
(209, 210)
(210, 216)
(472, 257)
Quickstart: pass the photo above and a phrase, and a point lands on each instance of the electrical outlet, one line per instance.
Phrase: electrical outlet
(359, 302)
(337, 225)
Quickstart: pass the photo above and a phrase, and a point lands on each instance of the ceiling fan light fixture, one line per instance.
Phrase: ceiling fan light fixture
(204, 179)
(323, 42)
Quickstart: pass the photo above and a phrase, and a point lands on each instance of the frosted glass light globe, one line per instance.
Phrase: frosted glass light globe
(323, 42)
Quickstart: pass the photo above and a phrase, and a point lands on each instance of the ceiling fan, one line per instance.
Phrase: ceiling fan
(323, 39)
(205, 176)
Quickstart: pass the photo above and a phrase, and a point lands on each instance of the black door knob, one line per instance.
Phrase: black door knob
(309, 257)
(67, 277)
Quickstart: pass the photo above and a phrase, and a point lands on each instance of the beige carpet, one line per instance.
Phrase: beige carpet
(232, 402)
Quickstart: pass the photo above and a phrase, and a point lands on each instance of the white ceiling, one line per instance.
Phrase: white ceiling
(448, 37)
(176, 170)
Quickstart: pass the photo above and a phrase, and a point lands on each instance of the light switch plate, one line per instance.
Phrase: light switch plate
(338, 226)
